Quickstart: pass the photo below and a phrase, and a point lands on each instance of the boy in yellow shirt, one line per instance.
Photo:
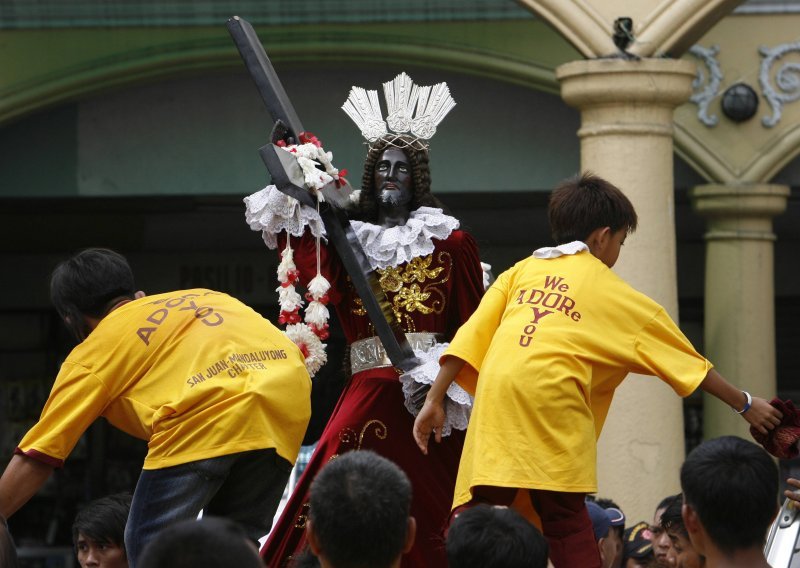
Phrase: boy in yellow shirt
(543, 353)
(219, 393)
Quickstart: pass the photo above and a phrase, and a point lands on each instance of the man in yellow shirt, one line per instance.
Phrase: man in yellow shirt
(543, 353)
(220, 394)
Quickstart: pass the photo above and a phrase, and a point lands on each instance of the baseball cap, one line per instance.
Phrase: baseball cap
(616, 517)
(601, 522)
(637, 541)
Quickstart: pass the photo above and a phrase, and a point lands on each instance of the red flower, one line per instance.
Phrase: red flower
(320, 331)
(340, 180)
(309, 138)
(289, 317)
(303, 350)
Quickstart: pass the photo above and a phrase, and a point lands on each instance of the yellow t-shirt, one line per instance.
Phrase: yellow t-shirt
(196, 373)
(545, 349)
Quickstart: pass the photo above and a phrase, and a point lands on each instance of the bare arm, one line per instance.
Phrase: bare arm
(431, 417)
(761, 414)
(21, 480)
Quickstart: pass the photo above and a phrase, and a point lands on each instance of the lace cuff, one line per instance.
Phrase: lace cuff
(272, 212)
(457, 403)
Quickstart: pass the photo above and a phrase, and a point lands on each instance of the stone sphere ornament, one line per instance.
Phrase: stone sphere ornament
(739, 102)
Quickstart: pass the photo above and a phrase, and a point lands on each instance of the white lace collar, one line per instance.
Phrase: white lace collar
(396, 245)
(271, 212)
(554, 252)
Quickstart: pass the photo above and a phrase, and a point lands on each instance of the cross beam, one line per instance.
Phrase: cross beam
(288, 178)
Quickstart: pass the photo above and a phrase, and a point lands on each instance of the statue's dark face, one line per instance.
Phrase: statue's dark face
(393, 181)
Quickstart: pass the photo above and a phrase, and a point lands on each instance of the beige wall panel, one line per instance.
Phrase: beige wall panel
(747, 151)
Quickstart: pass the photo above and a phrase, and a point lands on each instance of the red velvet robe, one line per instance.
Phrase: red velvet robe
(434, 293)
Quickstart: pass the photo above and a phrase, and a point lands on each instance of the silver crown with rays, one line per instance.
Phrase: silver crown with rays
(414, 112)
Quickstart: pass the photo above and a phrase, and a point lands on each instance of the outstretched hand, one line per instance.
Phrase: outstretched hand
(430, 419)
(762, 415)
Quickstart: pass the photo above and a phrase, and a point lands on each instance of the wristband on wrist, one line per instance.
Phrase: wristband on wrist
(747, 404)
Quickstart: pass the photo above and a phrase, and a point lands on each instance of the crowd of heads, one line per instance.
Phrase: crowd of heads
(701, 521)
(729, 499)
(360, 517)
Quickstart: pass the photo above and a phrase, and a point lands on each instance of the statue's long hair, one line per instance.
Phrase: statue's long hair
(367, 208)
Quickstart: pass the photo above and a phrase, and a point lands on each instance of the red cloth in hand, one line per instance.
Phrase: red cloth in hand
(781, 441)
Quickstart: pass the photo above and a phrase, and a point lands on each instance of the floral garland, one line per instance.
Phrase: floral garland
(308, 335)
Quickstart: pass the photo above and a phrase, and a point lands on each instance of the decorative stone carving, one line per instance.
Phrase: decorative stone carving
(706, 91)
(787, 79)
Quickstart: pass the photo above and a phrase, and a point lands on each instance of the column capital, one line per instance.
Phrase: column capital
(600, 82)
(742, 200)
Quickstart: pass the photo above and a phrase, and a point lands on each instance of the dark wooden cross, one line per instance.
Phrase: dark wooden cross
(288, 178)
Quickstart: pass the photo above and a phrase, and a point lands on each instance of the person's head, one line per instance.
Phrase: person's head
(396, 179)
(494, 537)
(88, 285)
(603, 533)
(638, 547)
(98, 532)
(617, 518)
(730, 495)
(672, 523)
(588, 208)
(359, 514)
(662, 545)
(206, 543)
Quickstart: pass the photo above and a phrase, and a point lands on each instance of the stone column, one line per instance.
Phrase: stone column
(626, 137)
(739, 293)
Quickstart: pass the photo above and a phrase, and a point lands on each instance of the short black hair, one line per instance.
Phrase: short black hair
(87, 284)
(584, 203)
(210, 542)
(103, 520)
(732, 485)
(668, 500)
(359, 509)
(671, 518)
(494, 537)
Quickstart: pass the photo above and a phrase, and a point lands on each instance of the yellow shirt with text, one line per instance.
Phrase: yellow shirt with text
(545, 349)
(196, 373)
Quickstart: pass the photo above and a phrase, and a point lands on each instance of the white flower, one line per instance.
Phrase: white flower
(318, 286)
(288, 298)
(317, 313)
(286, 264)
(303, 337)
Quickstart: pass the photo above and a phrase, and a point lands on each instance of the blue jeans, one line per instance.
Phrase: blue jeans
(244, 487)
